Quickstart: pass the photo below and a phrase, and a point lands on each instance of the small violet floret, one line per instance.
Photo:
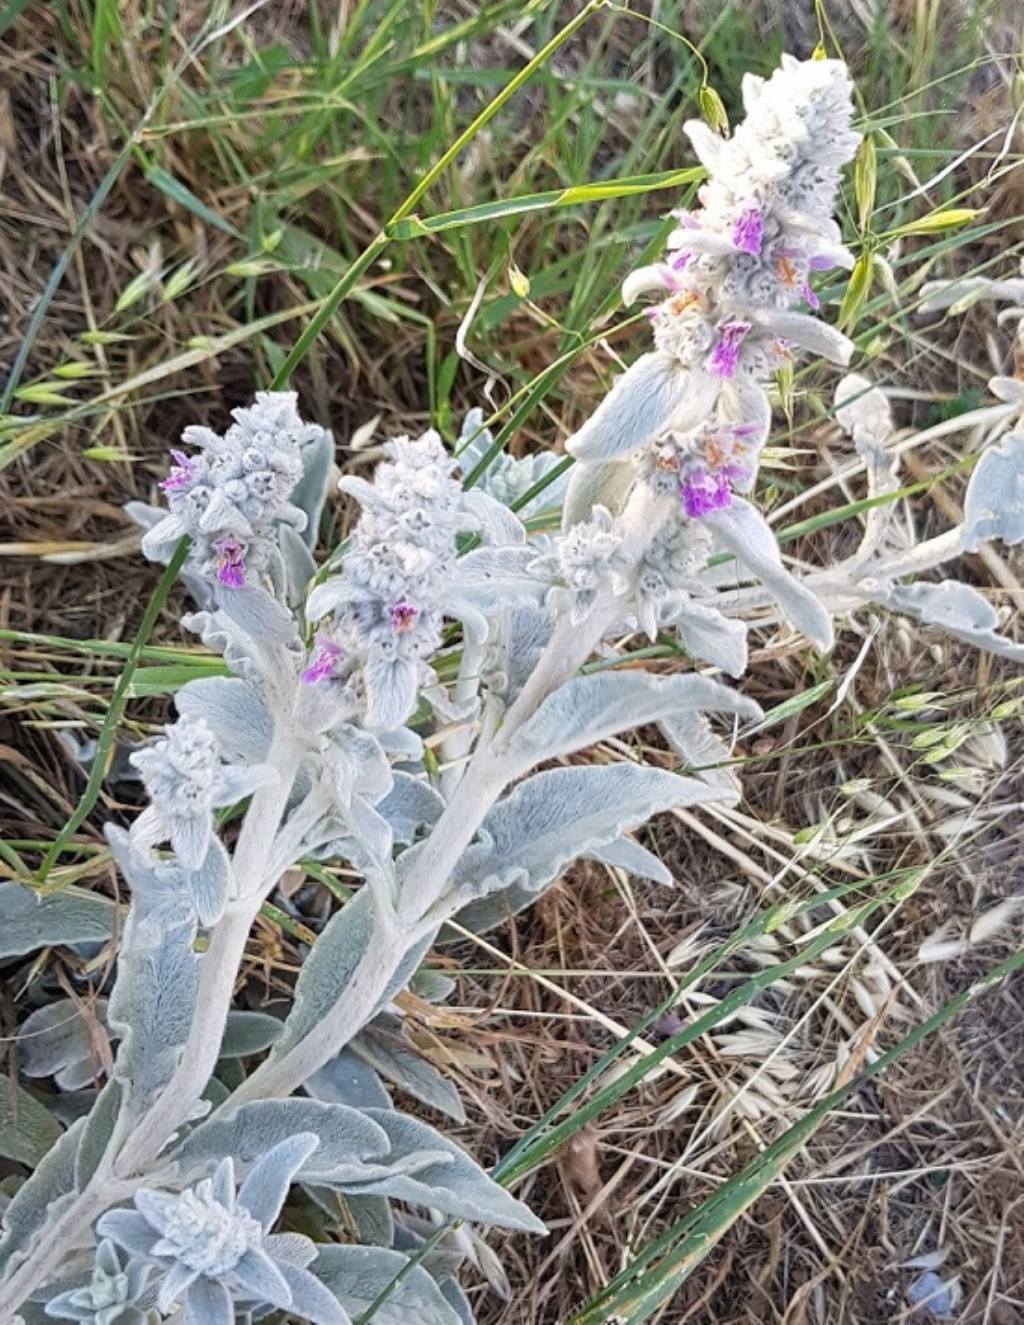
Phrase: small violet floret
(324, 660)
(748, 231)
(403, 616)
(182, 472)
(704, 492)
(230, 563)
(724, 356)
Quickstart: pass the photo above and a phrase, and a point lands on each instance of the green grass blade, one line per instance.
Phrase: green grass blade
(115, 711)
(651, 1281)
(345, 285)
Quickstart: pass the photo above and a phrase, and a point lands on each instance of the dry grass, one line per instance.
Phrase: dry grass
(930, 1156)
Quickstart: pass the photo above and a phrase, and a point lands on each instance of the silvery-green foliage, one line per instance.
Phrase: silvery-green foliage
(703, 753)
(994, 506)
(234, 712)
(211, 1247)
(351, 1145)
(40, 1200)
(450, 1182)
(57, 1041)
(530, 836)
(27, 1126)
(359, 1275)
(330, 966)
(390, 710)
(958, 295)
(111, 1294)
(153, 1001)
(383, 1047)
(29, 921)
(589, 709)
(625, 854)
(363, 1152)
(957, 609)
(186, 781)
(348, 1079)
(248, 1033)
(508, 479)
(743, 530)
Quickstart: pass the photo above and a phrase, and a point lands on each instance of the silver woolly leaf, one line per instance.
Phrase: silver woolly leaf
(703, 753)
(56, 1041)
(358, 1275)
(234, 712)
(248, 1033)
(351, 1143)
(310, 493)
(458, 1301)
(41, 1199)
(625, 854)
(604, 484)
(297, 564)
(862, 408)
(384, 1047)
(328, 968)
(742, 529)
(29, 922)
(810, 333)
(154, 997)
(589, 709)
(528, 838)
(994, 505)
(111, 1293)
(453, 1184)
(499, 524)
(410, 805)
(651, 394)
(99, 1128)
(258, 638)
(27, 1128)
(347, 1079)
(707, 634)
(957, 609)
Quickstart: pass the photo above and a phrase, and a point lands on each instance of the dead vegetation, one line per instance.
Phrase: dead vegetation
(921, 1172)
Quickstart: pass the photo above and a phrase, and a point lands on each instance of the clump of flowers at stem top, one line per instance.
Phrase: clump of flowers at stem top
(583, 563)
(737, 288)
(381, 618)
(231, 497)
(186, 781)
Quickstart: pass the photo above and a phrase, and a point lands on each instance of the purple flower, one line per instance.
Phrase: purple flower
(809, 297)
(748, 231)
(703, 492)
(230, 563)
(821, 263)
(725, 353)
(325, 658)
(403, 617)
(183, 471)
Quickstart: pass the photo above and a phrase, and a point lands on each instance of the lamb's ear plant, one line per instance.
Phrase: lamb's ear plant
(391, 709)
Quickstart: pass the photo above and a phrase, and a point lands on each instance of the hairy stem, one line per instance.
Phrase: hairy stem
(67, 1230)
(357, 1004)
(219, 966)
(218, 971)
